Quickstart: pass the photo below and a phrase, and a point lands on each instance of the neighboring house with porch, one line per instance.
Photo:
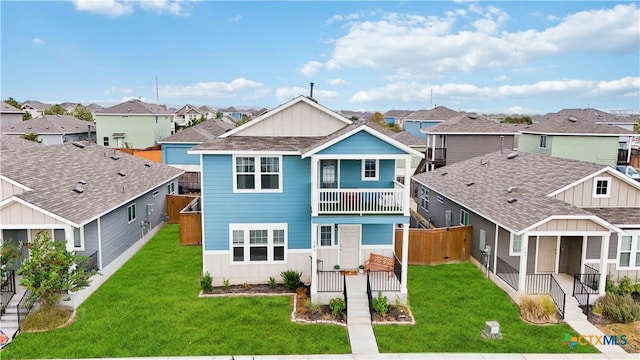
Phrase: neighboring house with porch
(186, 114)
(133, 124)
(9, 115)
(175, 151)
(301, 188)
(53, 129)
(539, 215)
(466, 136)
(103, 203)
(35, 108)
(574, 137)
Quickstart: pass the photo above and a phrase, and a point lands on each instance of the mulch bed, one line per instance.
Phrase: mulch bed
(251, 289)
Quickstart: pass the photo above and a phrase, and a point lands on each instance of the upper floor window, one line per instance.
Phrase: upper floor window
(257, 173)
(464, 217)
(370, 169)
(629, 252)
(602, 187)
(171, 188)
(105, 141)
(424, 198)
(543, 141)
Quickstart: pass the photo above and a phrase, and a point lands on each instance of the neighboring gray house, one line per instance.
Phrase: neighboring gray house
(9, 115)
(466, 136)
(539, 215)
(102, 202)
(35, 108)
(53, 129)
(600, 117)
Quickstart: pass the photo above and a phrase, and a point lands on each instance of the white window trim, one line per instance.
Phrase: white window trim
(264, 226)
(375, 178)
(540, 142)
(635, 248)
(135, 215)
(257, 182)
(171, 188)
(81, 233)
(155, 193)
(512, 252)
(333, 237)
(464, 212)
(595, 186)
(440, 199)
(424, 191)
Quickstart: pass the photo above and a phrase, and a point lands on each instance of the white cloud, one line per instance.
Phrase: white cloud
(159, 6)
(242, 88)
(502, 78)
(430, 45)
(309, 69)
(111, 8)
(37, 41)
(338, 81)
(114, 90)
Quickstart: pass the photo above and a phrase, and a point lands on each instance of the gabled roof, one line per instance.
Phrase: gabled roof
(206, 131)
(468, 124)
(567, 124)
(619, 216)
(49, 124)
(40, 106)
(596, 116)
(404, 137)
(438, 113)
(397, 113)
(188, 109)
(94, 107)
(16, 143)
(482, 185)
(135, 107)
(9, 109)
(54, 171)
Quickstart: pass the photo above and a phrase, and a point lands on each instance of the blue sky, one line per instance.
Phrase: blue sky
(508, 57)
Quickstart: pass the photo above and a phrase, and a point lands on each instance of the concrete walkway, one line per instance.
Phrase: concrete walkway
(361, 336)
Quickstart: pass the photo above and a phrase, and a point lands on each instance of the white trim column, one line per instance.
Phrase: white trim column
(604, 255)
(314, 262)
(68, 234)
(314, 186)
(406, 195)
(522, 275)
(405, 257)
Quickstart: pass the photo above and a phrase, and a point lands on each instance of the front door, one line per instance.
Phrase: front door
(349, 237)
(546, 254)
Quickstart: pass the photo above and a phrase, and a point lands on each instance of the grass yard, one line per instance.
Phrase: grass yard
(451, 303)
(150, 308)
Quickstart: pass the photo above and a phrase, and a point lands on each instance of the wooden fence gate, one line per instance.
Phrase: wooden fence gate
(436, 246)
(175, 203)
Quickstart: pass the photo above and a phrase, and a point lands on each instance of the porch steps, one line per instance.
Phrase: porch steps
(361, 336)
(9, 320)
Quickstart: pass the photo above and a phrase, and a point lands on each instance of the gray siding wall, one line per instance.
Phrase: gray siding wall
(613, 246)
(462, 147)
(90, 238)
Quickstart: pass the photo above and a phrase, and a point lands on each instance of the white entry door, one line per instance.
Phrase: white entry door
(349, 237)
(547, 254)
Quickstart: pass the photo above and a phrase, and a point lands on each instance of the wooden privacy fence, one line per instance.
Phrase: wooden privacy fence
(436, 246)
(191, 224)
(175, 204)
(151, 155)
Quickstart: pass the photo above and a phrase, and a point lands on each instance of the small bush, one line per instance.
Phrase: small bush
(610, 285)
(272, 282)
(380, 304)
(225, 284)
(291, 279)
(537, 309)
(619, 308)
(625, 286)
(337, 305)
(314, 308)
(246, 285)
(206, 282)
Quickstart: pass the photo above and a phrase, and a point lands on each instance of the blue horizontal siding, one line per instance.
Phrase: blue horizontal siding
(357, 219)
(414, 126)
(351, 175)
(176, 154)
(362, 143)
(222, 206)
(377, 234)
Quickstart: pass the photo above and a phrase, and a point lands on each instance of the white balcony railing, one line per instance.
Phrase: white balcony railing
(361, 201)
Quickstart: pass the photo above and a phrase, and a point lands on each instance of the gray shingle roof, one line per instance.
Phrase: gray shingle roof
(408, 139)
(38, 105)
(49, 124)
(7, 108)
(437, 113)
(567, 123)
(534, 177)
(136, 107)
(596, 116)
(54, 171)
(618, 216)
(398, 113)
(16, 143)
(472, 124)
(206, 131)
(260, 143)
(187, 109)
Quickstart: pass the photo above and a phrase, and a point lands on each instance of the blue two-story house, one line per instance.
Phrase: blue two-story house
(303, 188)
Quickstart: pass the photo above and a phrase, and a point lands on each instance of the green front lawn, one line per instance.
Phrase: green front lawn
(150, 308)
(451, 303)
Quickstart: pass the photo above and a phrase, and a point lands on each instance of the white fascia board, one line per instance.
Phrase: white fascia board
(609, 170)
(593, 218)
(18, 200)
(242, 152)
(15, 183)
(425, 131)
(573, 134)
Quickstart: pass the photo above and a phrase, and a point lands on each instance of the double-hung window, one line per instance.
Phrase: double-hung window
(255, 243)
(326, 235)
(424, 198)
(464, 217)
(257, 173)
(131, 212)
(543, 142)
(370, 169)
(629, 252)
(515, 245)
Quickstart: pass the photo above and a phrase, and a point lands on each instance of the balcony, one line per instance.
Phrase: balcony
(437, 156)
(361, 201)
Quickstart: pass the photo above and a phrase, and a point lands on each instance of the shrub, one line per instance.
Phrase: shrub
(246, 285)
(272, 282)
(206, 282)
(337, 305)
(610, 286)
(380, 304)
(619, 308)
(291, 279)
(314, 308)
(625, 286)
(537, 309)
(225, 284)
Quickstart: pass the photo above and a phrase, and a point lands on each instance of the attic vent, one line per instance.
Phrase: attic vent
(572, 119)
(444, 173)
(121, 173)
(511, 189)
(59, 115)
(512, 155)
(483, 162)
(77, 144)
(147, 164)
(473, 116)
(115, 157)
(470, 183)
(83, 182)
(511, 200)
(78, 190)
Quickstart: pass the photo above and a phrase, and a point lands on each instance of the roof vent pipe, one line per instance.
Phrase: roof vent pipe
(311, 90)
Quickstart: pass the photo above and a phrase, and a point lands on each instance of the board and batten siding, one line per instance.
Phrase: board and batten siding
(19, 214)
(223, 207)
(569, 225)
(581, 195)
(362, 143)
(463, 147)
(176, 154)
(8, 189)
(300, 119)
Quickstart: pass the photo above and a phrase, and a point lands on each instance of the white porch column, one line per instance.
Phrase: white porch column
(314, 262)
(522, 276)
(406, 195)
(68, 235)
(604, 255)
(314, 186)
(405, 257)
